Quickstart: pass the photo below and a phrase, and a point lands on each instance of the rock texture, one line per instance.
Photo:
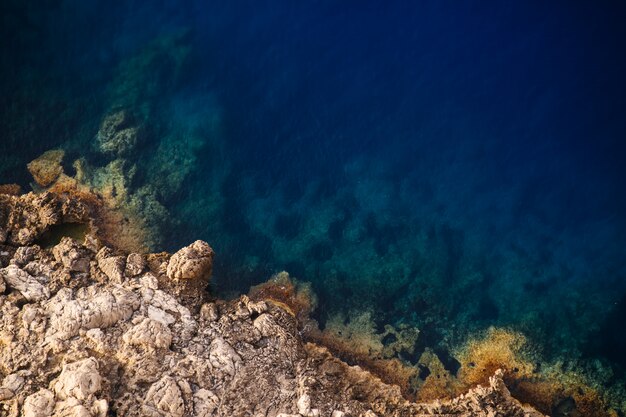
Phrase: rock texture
(47, 168)
(191, 262)
(118, 134)
(88, 331)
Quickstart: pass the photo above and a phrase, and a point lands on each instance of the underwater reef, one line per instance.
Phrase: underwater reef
(89, 328)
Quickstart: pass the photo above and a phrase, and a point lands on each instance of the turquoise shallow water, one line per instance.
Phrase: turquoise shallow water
(444, 166)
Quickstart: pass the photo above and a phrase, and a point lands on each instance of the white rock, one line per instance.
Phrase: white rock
(39, 404)
(74, 408)
(205, 403)
(164, 399)
(79, 379)
(135, 264)
(25, 254)
(304, 404)
(96, 309)
(223, 357)
(71, 408)
(98, 339)
(149, 333)
(13, 382)
(22, 281)
(149, 281)
(113, 267)
(191, 262)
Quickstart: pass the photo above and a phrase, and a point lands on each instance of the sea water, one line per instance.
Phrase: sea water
(441, 165)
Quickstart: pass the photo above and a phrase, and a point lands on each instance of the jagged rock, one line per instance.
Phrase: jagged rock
(28, 286)
(135, 264)
(164, 398)
(39, 404)
(149, 334)
(80, 380)
(25, 254)
(191, 262)
(47, 168)
(24, 218)
(10, 385)
(92, 308)
(72, 255)
(205, 403)
(112, 266)
(120, 342)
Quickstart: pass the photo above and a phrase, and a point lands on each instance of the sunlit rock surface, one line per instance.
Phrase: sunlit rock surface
(86, 330)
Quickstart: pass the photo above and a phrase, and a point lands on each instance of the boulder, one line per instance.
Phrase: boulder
(191, 262)
(47, 168)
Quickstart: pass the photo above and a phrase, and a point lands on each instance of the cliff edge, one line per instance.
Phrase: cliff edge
(87, 330)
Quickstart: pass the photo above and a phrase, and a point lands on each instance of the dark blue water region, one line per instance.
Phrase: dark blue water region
(442, 164)
(479, 146)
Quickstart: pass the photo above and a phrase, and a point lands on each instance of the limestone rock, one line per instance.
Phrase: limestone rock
(135, 264)
(205, 403)
(72, 255)
(79, 379)
(10, 385)
(93, 308)
(47, 168)
(25, 254)
(150, 334)
(39, 404)
(223, 357)
(164, 398)
(118, 338)
(27, 285)
(191, 262)
(112, 266)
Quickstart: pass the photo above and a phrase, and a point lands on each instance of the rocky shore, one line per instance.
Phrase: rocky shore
(88, 330)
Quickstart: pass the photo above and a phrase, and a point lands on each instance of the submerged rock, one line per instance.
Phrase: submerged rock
(118, 135)
(47, 168)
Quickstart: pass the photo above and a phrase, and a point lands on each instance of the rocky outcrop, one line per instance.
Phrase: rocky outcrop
(88, 331)
(191, 262)
(24, 218)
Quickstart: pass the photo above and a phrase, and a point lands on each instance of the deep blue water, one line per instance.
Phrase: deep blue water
(443, 164)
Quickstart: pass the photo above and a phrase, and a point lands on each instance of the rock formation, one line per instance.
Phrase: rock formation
(118, 135)
(86, 330)
(47, 168)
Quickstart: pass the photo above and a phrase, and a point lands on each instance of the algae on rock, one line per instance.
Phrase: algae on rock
(111, 332)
